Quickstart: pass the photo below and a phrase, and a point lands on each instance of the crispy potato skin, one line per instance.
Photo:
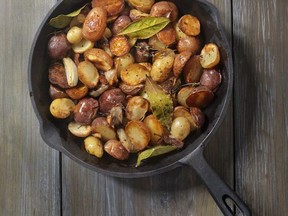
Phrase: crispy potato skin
(119, 45)
(113, 7)
(191, 44)
(120, 23)
(167, 35)
(193, 70)
(58, 47)
(77, 92)
(85, 111)
(190, 25)
(100, 58)
(164, 9)
(180, 61)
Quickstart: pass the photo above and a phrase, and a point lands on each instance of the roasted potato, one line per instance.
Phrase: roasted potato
(164, 9)
(180, 128)
(156, 44)
(143, 6)
(138, 134)
(131, 90)
(100, 58)
(179, 34)
(111, 98)
(94, 146)
(79, 130)
(56, 92)
(123, 61)
(137, 15)
(57, 75)
(88, 74)
(58, 47)
(95, 24)
(101, 126)
(156, 129)
(78, 92)
(191, 44)
(85, 111)
(134, 74)
(74, 35)
(193, 70)
(119, 45)
(82, 46)
(180, 61)
(190, 25)
(162, 65)
(136, 108)
(61, 108)
(120, 23)
(113, 7)
(211, 78)
(116, 150)
(210, 56)
(167, 35)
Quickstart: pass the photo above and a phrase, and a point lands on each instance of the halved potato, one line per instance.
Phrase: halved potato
(210, 56)
(62, 107)
(113, 7)
(123, 61)
(78, 92)
(180, 61)
(138, 134)
(164, 9)
(143, 6)
(82, 46)
(88, 74)
(56, 92)
(100, 58)
(94, 146)
(156, 44)
(131, 90)
(167, 35)
(190, 25)
(156, 129)
(119, 45)
(134, 74)
(137, 15)
(79, 130)
(179, 33)
(193, 70)
(192, 44)
(136, 108)
(101, 126)
(211, 78)
(180, 128)
(120, 23)
(116, 150)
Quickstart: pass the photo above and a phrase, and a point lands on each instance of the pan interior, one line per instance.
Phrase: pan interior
(55, 132)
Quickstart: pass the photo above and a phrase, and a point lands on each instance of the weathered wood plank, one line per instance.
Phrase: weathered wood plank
(29, 179)
(178, 192)
(261, 53)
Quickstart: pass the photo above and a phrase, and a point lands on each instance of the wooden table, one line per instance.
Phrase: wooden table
(249, 151)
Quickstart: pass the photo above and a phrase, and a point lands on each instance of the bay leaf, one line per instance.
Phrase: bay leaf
(160, 102)
(145, 27)
(62, 20)
(155, 151)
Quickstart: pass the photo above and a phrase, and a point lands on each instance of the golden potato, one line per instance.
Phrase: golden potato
(78, 92)
(137, 15)
(123, 61)
(156, 129)
(134, 74)
(88, 74)
(191, 44)
(143, 6)
(79, 130)
(190, 25)
(74, 35)
(101, 126)
(82, 46)
(180, 128)
(100, 59)
(179, 34)
(210, 56)
(136, 108)
(61, 108)
(116, 150)
(193, 70)
(180, 61)
(167, 35)
(156, 44)
(119, 45)
(113, 7)
(164, 9)
(93, 146)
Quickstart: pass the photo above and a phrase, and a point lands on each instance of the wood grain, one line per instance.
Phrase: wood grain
(178, 192)
(29, 179)
(261, 51)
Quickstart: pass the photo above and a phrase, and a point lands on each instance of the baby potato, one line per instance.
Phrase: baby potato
(120, 23)
(101, 126)
(85, 111)
(123, 61)
(79, 130)
(61, 107)
(115, 149)
(190, 25)
(193, 70)
(110, 99)
(56, 92)
(198, 117)
(78, 92)
(88, 74)
(180, 128)
(136, 108)
(164, 9)
(138, 134)
(74, 35)
(210, 56)
(199, 96)
(143, 6)
(162, 65)
(131, 90)
(211, 78)
(94, 146)
(95, 24)
(191, 44)
(179, 34)
(167, 35)
(100, 58)
(57, 75)
(58, 47)
(82, 46)
(113, 7)
(156, 44)
(181, 111)
(180, 61)
(156, 129)
(136, 15)
(134, 74)
(119, 45)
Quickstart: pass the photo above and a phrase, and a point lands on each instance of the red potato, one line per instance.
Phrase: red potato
(120, 23)
(100, 58)
(134, 74)
(211, 79)
(58, 47)
(190, 25)
(131, 90)
(113, 7)
(156, 129)
(167, 35)
(95, 24)
(85, 111)
(193, 70)
(56, 92)
(78, 92)
(164, 9)
(180, 61)
(111, 98)
(143, 6)
(115, 149)
(101, 126)
(191, 44)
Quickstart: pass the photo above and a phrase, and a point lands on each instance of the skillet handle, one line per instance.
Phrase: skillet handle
(219, 190)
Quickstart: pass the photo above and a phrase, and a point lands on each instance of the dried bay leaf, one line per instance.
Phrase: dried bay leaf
(62, 20)
(145, 27)
(155, 151)
(161, 103)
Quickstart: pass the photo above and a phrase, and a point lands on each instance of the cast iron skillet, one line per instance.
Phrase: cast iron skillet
(54, 132)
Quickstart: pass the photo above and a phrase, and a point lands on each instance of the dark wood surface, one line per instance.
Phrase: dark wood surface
(249, 151)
